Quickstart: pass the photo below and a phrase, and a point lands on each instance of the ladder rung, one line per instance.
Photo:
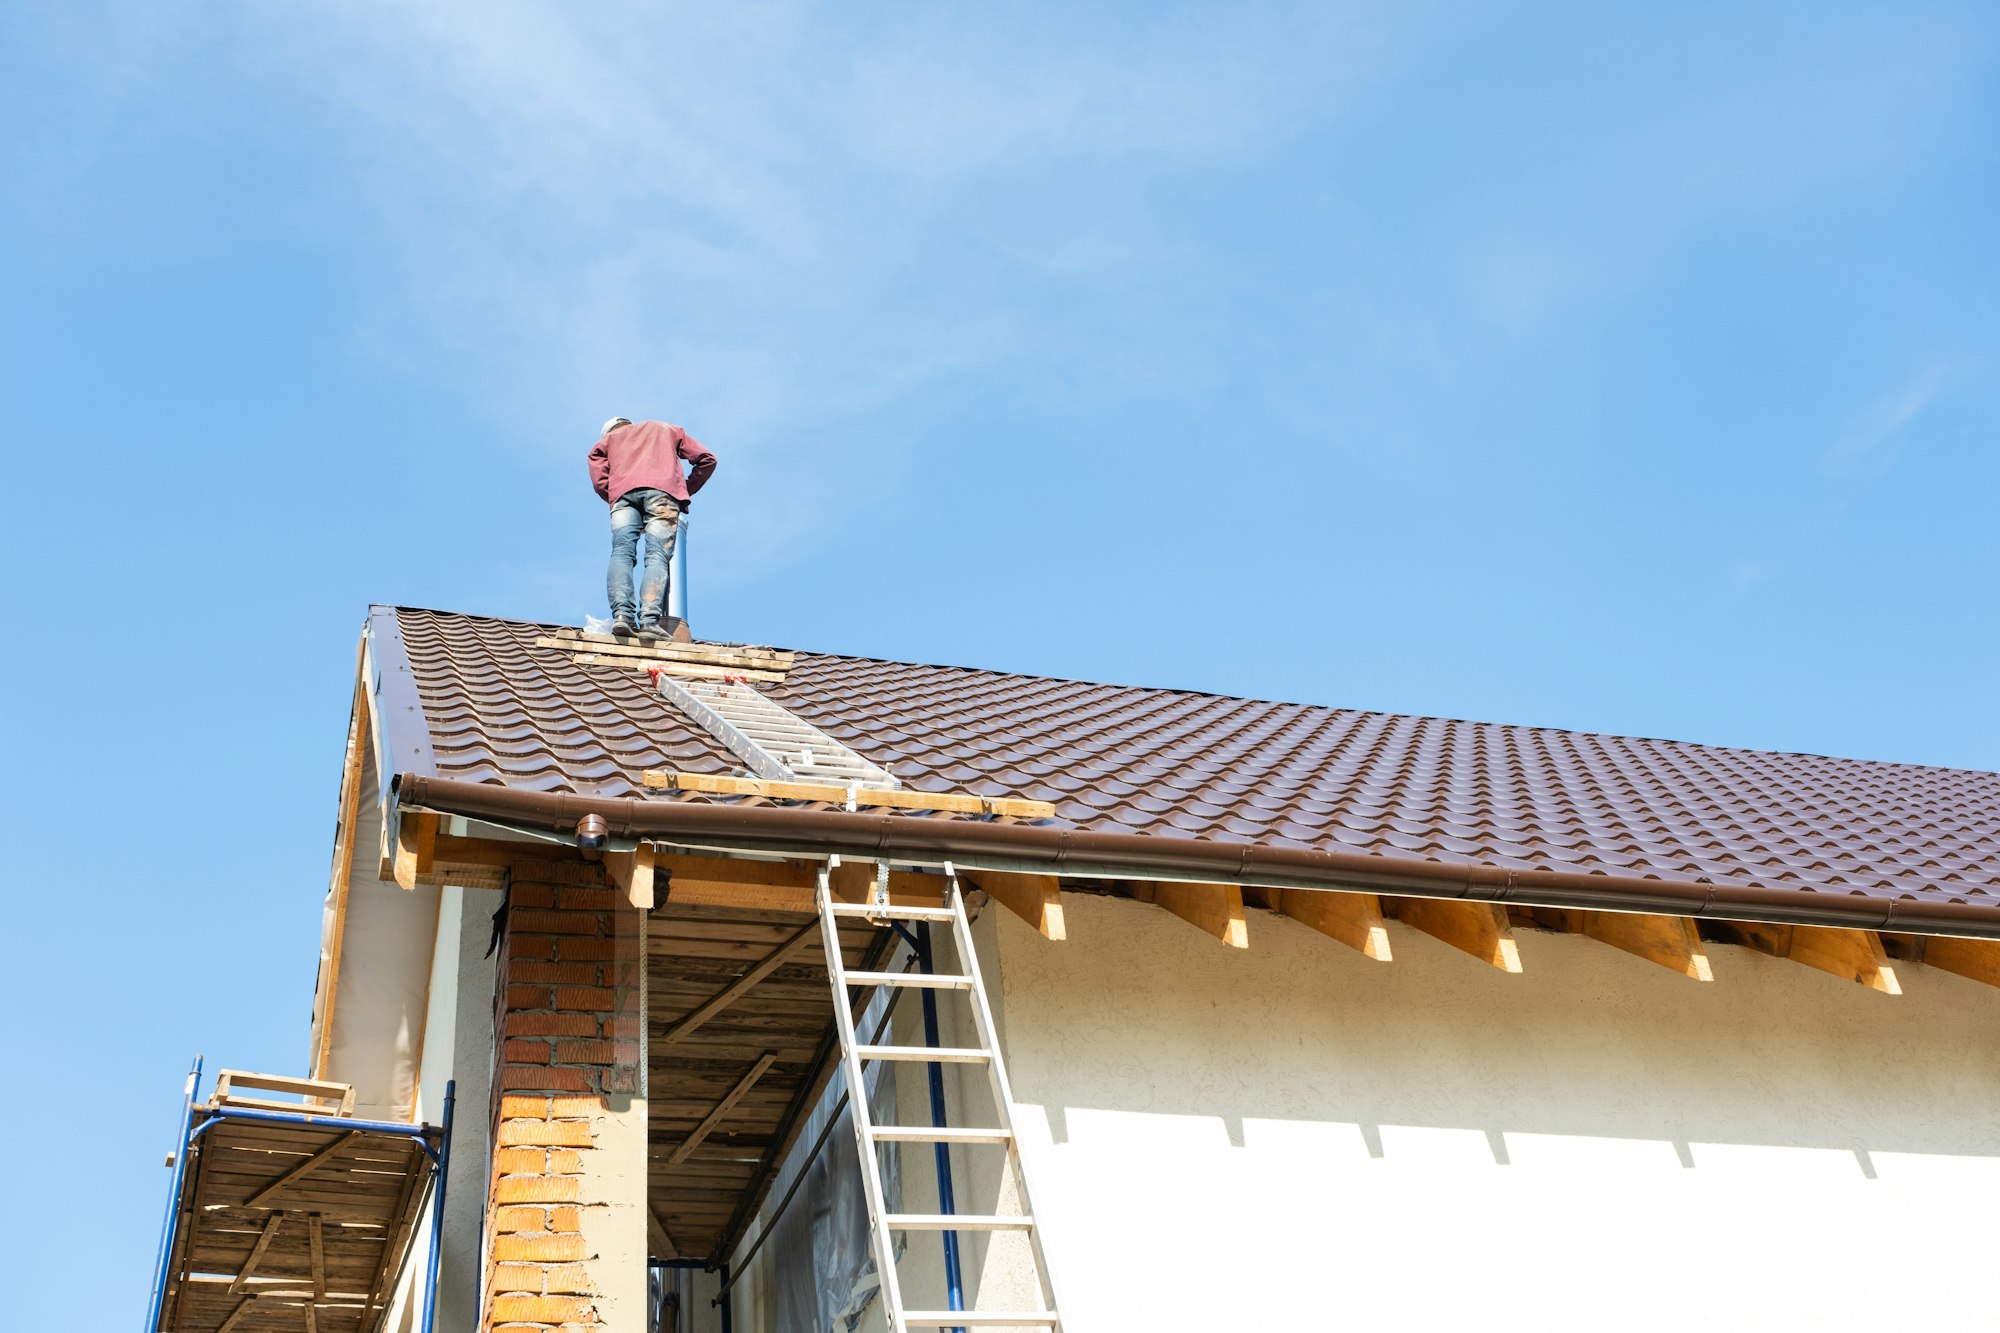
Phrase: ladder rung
(956, 1222)
(982, 1319)
(894, 913)
(938, 1134)
(929, 980)
(945, 1055)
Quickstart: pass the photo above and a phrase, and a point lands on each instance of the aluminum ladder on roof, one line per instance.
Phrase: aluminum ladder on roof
(771, 740)
(884, 1224)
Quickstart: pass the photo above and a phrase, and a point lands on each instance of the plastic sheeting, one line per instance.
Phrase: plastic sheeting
(822, 1259)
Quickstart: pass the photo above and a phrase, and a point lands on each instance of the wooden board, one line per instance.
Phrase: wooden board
(1477, 928)
(869, 798)
(1355, 919)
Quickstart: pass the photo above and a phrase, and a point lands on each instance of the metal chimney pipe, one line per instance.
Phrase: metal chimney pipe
(677, 573)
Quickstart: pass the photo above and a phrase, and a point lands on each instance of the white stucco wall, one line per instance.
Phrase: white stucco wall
(1295, 1137)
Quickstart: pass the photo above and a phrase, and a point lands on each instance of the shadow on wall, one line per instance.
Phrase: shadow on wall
(1140, 1013)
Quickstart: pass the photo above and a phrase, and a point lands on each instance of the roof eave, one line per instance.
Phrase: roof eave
(1077, 853)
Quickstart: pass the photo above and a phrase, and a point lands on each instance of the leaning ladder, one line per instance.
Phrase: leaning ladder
(884, 1224)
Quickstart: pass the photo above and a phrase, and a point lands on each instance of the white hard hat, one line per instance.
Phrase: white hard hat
(614, 422)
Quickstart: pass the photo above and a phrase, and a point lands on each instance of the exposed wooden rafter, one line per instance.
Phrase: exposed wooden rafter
(1852, 955)
(1477, 928)
(632, 872)
(1213, 909)
(1036, 899)
(1355, 919)
(1975, 960)
(416, 847)
(1671, 941)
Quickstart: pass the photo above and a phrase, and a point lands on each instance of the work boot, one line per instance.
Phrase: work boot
(621, 626)
(652, 631)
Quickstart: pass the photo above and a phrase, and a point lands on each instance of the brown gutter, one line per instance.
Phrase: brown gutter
(1057, 851)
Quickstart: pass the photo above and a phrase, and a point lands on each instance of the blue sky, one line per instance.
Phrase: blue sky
(1613, 367)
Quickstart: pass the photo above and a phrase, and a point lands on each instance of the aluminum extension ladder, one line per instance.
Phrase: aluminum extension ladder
(884, 1224)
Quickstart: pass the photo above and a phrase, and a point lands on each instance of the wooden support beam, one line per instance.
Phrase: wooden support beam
(1215, 909)
(1856, 955)
(1975, 960)
(1852, 955)
(1355, 919)
(236, 1315)
(416, 846)
(312, 1318)
(1036, 899)
(656, 1231)
(722, 1108)
(736, 989)
(1477, 928)
(633, 872)
(316, 1238)
(262, 1198)
(1670, 941)
(264, 1239)
(784, 886)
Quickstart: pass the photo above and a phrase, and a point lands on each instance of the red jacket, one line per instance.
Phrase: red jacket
(648, 453)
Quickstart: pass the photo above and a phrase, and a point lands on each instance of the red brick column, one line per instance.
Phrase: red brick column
(566, 1175)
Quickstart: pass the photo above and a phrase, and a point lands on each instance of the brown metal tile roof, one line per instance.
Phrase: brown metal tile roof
(1177, 764)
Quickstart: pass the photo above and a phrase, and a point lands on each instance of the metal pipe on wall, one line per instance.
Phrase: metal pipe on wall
(437, 1209)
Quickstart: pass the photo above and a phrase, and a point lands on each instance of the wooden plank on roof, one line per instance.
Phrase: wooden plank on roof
(1355, 919)
(1036, 899)
(965, 803)
(1477, 928)
(1670, 941)
(1214, 909)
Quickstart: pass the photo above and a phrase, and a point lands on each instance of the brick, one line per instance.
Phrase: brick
(519, 1277)
(552, 1025)
(524, 1078)
(591, 999)
(590, 900)
(527, 997)
(625, 1052)
(557, 923)
(575, 1108)
(546, 1133)
(541, 1309)
(574, 950)
(524, 1108)
(531, 895)
(564, 1162)
(537, 1189)
(539, 1249)
(584, 1053)
(554, 974)
(526, 1052)
(522, 945)
(621, 1080)
(521, 1219)
(525, 1161)
(566, 1219)
(624, 1027)
(567, 1278)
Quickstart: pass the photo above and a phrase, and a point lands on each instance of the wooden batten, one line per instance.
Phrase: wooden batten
(1036, 899)
(1477, 928)
(416, 847)
(738, 988)
(722, 1108)
(1671, 941)
(1355, 919)
(1214, 909)
(784, 886)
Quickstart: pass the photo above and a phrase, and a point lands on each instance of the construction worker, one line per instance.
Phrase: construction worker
(636, 469)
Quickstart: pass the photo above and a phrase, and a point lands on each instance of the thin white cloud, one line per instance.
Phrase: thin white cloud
(1880, 430)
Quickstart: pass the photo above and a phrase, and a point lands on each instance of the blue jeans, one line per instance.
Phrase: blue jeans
(656, 513)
